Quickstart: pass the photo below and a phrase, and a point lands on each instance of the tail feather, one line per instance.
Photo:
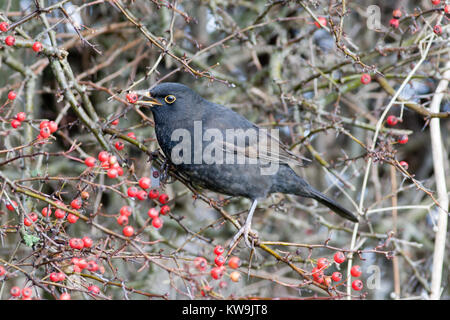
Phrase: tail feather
(333, 205)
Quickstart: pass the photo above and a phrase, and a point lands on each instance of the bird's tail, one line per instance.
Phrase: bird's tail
(333, 205)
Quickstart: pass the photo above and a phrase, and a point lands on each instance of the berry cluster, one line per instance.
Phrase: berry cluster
(392, 121)
(26, 292)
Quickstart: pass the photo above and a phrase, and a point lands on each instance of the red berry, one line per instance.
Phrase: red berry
(200, 263)
(218, 250)
(12, 95)
(54, 277)
(43, 124)
(53, 126)
(437, 29)
(366, 78)
(164, 210)
(76, 243)
(11, 205)
(15, 123)
(317, 274)
(10, 40)
(115, 122)
(356, 271)
(132, 192)
(27, 222)
(142, 195)
(94, 289)
(119, 171)
(60, 214)
(2, 270)
(119, 145)
(90, 162)
(234, 262)
(397, 13)
(216, 273)
(112, 173)
(403, 139)
(163, 198)
(357, 285)
(404, 164)
(394, 23)
(339, 257)
(122, 220)
(219, 261)
(235, 276)
(125, 211)
(157, 222)
(61, 276)
(153, 194)
(322, 20)
(64, 296)
(435, 2)
(45, 132)
(27, 292)
(87, 242)
(392, 120)
(322, 263)
(92, 266)
(37, 46)
(145, 182)
(153, 213)
(131, 135)
(82, 264)
(103, 156)
(15, 291)
(336, 276)
(71, 218)
(447, 9)
(76, 203)
(46, 211)
(128, 231)
(21, 116)
(4, 26)
(132, 97)
(74, 260)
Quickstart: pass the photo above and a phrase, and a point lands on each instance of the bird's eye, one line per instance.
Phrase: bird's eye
(170, 99)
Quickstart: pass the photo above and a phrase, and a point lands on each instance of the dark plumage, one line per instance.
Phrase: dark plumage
(187, 111)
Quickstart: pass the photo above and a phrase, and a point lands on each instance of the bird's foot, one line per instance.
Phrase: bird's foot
(246, 232)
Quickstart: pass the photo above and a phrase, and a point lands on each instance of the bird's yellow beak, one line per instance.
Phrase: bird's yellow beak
(147, 99)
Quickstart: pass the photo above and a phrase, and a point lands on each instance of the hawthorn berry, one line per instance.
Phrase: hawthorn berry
(37, 46)
(125, 211)
(45, 132)
(336, 276)
(131, 135)
(10, 40)
(394, 23)
(122, 220)
(27, 222)
(392, 120)
(128, 231)
(153, 194)
(53, 126)
(366, 78)
(164, 210)
(82, 263)
(60, 214)
(119, 145)
(216, 273)
(437, 29)
(447, 9)
(11, 205)
(71, 218)
(219, 261)
(76, 243)
(2, 270)
(322, 21)
(94, 289)
(132, 97)
(76, 203)
(92, 266)
(12, 95)
(15, 291)
(339, 257)
(27, 292)
(403, 139)
(64, 296)
(157, 222)
(115, 122)
(112, 173)
(87, 242)
(43, 124)
(322, 263)
(61, 276)
(235, 276)
(21, 116)
(163, 198)
(4, 26)
(397, 13)
(145, 182)
(119, 171)
(84, 195)
(90, 162)
(142, 195)
(46, 211)
(356, 271)
(153, 213)
(357, 285)
(103, 156)
(218, 250)
(404, 164)
(15, 123)
(234, 262)
(317, 274)
(54, 277)
(200, 263)
(435, 2)
(132, 192)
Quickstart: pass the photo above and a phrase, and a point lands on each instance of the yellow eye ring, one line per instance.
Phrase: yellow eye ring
(170, 99)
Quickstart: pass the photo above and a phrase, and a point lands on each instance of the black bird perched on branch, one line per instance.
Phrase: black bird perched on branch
(218, 149)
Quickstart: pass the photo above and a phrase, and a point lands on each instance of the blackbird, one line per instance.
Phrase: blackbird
(201, 138)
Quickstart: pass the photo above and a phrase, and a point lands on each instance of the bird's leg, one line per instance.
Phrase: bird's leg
(245, 229)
